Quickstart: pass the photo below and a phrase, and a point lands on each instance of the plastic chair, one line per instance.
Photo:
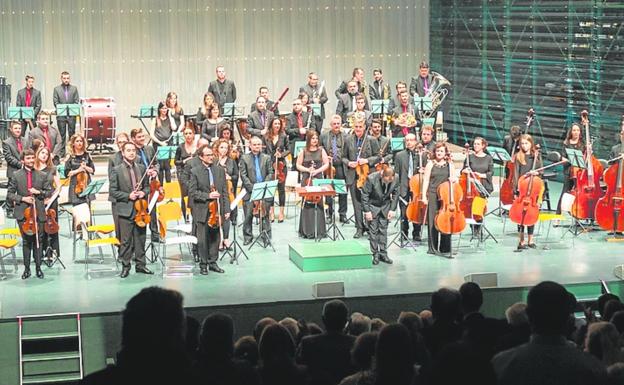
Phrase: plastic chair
(168, 212)
(7, 244)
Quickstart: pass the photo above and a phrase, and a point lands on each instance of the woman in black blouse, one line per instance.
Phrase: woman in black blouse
(212, 123)
(276, 145)
(202, 113)
(79, 162)
(222, 150)
(184, 153)
(482, 165)
(573, 140)
(523, 163)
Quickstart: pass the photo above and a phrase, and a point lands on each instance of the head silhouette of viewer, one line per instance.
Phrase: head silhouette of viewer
(335, 315)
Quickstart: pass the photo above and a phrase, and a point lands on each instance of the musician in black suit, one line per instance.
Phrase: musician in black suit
(258, 121)
(29, 97)
(145, 155)
(618, 149)
(30, 187)
(426, 138)
(383, 142)
(255, 167)
(380, 89)
(359, 150)
(333, 141)
(49, 136)
(114, 161)
(264, 92)
(224, 90)
(127, 186)
(347, 102)
(358, 77)
(65, 93)
(511, 142)
(207, 183)
(380, 197)
(405, 107)
(396, 101)
(298, 123)
(421, 84)
(13, 146)
(316, 95)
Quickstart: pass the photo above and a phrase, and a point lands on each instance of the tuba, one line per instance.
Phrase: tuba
(437, 93)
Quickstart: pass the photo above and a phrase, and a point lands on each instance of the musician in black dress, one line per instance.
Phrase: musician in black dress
(438, 170)
(574, 140)
(202, 112)
(213, 122)
(524, 162)
(277, 146)
(222, 150)
(163, 136)
(184, 153)
(482, 166)
(312, 163)
(43, 163)
(79, 162)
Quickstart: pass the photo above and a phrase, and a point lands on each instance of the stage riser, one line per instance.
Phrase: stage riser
(327, 256)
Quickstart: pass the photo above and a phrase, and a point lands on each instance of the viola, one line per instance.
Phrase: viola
(214, 219)
(51, 226)
(280, 175)
(141, 217)
(82, 179)
(450, 218)
(362, 171)
(230, 190)
(587, 189)
(416, 211)
(155, 186)
(526, 206)
(609, 211)
(330, 173)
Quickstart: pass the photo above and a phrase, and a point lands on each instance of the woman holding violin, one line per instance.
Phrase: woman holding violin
(214, 121)
(43, 163)
(312, 163)
(438, 170)
(478, 166)
(223, 150)
(79, 168)
(573, 140)
(184, 153)
(276, 145)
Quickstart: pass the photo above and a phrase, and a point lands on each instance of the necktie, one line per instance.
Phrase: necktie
(299, 120)
(19, 145)
(379, 90)
(410, 168)
(29, 180)
(47, 139)
(210, 178)
(143, 157)
(262, 119)
(28, 97)
(334, 149)
(386, 188)
(259, 177)
(66, 93)
(405, 129)
(426, 85)
(132, 176)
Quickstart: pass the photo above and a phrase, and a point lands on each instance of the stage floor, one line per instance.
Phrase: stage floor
(271, 277)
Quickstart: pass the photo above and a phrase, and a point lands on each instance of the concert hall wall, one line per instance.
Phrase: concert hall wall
(138, 50)
(505, 56)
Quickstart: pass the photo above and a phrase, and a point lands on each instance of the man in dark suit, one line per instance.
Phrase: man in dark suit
(327, 355)
(255, 167)
(380, 89)
(358, 77)
(144, 156)
(264, 92)
(347, 103)
(405, 107)
(421, 84)
(359, 149)
(29, 97)
(224, 90)
(113, 162)
(49, 136)
(618, 149)
(297, 125)
(259, 120)
(30, 187)
(396, 101)
(195, 161)
(380, 197)
(361, 108)
(316, 95)
(13, 146)
(333, 141)
(65, 93)
(383, 142)
(426, 138)
(207, 183)
(511, 142)
(125, 188)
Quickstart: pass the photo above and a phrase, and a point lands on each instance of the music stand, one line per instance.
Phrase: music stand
(380, 107)
(422, 105)
(166, 152)
(230, 111)
(260, 192)
(22, 114)
(340, 188)
(401, 236)
(147, 111)
(315, 108)
(235, 247)
(501, 155)
(397, 144)
(299, 145)
(67, 110)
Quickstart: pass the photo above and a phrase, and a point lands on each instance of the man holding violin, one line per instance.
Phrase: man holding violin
(333, 141)
(27, 190)
(207, 184)
(127, 186)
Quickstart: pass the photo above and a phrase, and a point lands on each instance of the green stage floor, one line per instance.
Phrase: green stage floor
(271, 277)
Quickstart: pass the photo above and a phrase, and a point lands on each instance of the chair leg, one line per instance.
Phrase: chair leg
(14, 254)
(3, 274)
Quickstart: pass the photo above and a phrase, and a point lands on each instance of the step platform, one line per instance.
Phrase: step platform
(328, 256)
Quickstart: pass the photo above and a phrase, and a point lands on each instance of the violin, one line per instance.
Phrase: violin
(416, 211)
(314, 199)
(214, 219)
(381, 165)
(450, 218)
(609, 211)
(330, 173)
(51, 226)
(82, 179)
(526, 206)
(29, 226)
(280, 175)
(141, 217)
(258, 210)
(587, 190)
(468, 182)
(155, 186)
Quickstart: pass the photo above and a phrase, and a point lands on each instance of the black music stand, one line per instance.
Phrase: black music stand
(339, 186)
(380, 107)
(235, 249)
(260, 192)
(146, 111)
(401, 239)
(92, 188)
(501, 155)
(230, 112)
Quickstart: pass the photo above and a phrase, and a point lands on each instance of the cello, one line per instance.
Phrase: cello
(526, 206)
(474, 201)
(587, 190)
(416, 210)
(609, 211)
(507, 190)
(450, 218)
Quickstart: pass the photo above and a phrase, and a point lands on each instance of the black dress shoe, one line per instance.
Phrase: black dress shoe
(386, 260)
(343, 218)
(39, 273)
(375, 261)
(358, 234)
(26, 274)
(532, 245)
(203, 270)
(214, 267)
(143, 270)
(417, 238)
(125, 271)
(247, 242)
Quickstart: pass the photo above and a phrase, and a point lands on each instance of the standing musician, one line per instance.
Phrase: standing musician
(511, 142)
(79, 168)
(523, 164)
(207, 184)
(618, 149)
(255, 167)
(311, 163)
(437, 172)
(359, 150)
(191, 163)
(404, 110)
(406, 164)
(482, 166)
(258, 121)
(114, 161)
(65, 93)
(175, 113)
(361, 109)
(426, 138)
(49, 136)
(202, 112)
(574, 140)
(213, 122)
(421, 84)
(164, 127)
(29, 187)
(127, 185)
(298, 122)
(383, 142)
(276, 145)
(13, 146)
(264, 92)
(347, 101)
(184, 153)
(223, 150)
(43, 163)
(224, 90)
(29, 96)
(333, 141)
(380, 89)
(396, 101)
(358, 78)
(316, 95)
(380, 196)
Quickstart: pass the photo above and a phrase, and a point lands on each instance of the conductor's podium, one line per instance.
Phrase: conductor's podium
(327, 256)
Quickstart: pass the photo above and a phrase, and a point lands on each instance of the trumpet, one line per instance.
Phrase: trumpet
(437, 93)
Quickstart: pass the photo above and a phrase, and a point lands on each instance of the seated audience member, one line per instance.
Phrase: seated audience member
(246, 349)
(261, 325)
(602, 302)
(611, 307)
(277, 358)
(377, 324)
(444, 328)
(603, 342)
(292, 326)
(192, 337)
(362, 356)
(415, 325)
(358, 324)
(519, 329)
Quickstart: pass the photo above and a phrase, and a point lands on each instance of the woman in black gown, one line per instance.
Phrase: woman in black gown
(312, 163)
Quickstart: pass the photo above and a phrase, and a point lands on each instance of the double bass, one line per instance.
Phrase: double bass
(507, 190)
(609, 211)
(526, 206)
(587, 190)
(450, 218)
(416, 210)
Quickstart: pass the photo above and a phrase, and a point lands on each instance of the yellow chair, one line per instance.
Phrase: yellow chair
(170, 212)
(172, 190)
(546, 217)
(8, 245)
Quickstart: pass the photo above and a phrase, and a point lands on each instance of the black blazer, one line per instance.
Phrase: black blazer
(292, 128)
(401, 167)
(113, 162)
(269, 106)
(121, 187)
(18, 188)
(374, 92)
(248, 171)
(326, 143)
(149, 154)
(35, 100)
(254, 123)
(282, 143)
(310, 92)
(12, 154)
(327, 355)
(397, 131)
(350, 153)
(58, 96)
(345, 106)
(417, 85)
(228, 95)
(375, 199)
(199, 191)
